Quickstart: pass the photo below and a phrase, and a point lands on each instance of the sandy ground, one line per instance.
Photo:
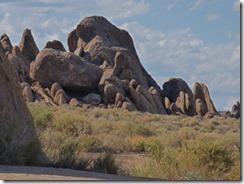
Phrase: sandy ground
(48, 173)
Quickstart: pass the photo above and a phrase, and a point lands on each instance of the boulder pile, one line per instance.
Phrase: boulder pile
(101, 68)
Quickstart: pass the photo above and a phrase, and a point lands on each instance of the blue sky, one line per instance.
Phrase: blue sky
(196, 40)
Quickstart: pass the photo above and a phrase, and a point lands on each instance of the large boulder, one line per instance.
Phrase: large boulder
(178, 92)
(28, 46)
(65, 68)
(97, 40)
(200, 91)
(17, 129)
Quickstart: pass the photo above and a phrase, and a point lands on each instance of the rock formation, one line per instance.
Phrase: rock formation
(204, 103)
(101, 69)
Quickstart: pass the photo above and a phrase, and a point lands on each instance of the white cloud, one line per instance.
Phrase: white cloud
(59, 17)
(172, 4)
(236, 5)
(213, 17)
(196, 4)
(181, 53)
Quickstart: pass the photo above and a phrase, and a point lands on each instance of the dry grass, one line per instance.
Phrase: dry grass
(179, 147)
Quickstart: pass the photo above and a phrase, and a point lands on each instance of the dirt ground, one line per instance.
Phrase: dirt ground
(48, 173)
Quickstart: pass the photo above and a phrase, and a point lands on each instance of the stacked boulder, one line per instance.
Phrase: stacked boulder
(101, 69)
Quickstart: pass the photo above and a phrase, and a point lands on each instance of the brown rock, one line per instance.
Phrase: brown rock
(93, 99)
(28, 46)
(119, 97)
(55, 87)
(110, 91)
(75, 102)
(17, 128)
(172, 89)
(20, 69)
(27, 93)
(55, 44)
(173, 108)
(6, 44)
(72, 40)
(236, 110)
(209, 115)
(128, 106)
(133, 83)
(67, 69)
(201, 107)
(61, 97)
(200, 91)
(167, 103)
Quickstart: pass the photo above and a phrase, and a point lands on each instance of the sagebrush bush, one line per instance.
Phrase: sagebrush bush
(106, 163)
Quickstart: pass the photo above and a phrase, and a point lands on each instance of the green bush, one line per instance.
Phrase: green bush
(89, 144)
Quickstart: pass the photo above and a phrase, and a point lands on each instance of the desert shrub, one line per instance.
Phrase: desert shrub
(67, 155)
(42, 115)
(154, 149)
(216, 158)
(89, 144)
(106, 164)
(71, 124)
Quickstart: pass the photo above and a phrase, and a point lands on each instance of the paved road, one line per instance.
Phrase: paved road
(48, 173)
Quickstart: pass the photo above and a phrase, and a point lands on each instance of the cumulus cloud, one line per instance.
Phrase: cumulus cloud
(181, 53)
(46, 17)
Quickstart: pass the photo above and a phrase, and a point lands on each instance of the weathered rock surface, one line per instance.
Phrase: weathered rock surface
(28, 46)
(67, 69)
(178, 92)
(100, 41)
(200, 91)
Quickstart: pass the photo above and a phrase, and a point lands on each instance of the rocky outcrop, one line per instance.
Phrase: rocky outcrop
(98, 40)
(65, 68)
(178, 92)
(102, 69)
(201, 92)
